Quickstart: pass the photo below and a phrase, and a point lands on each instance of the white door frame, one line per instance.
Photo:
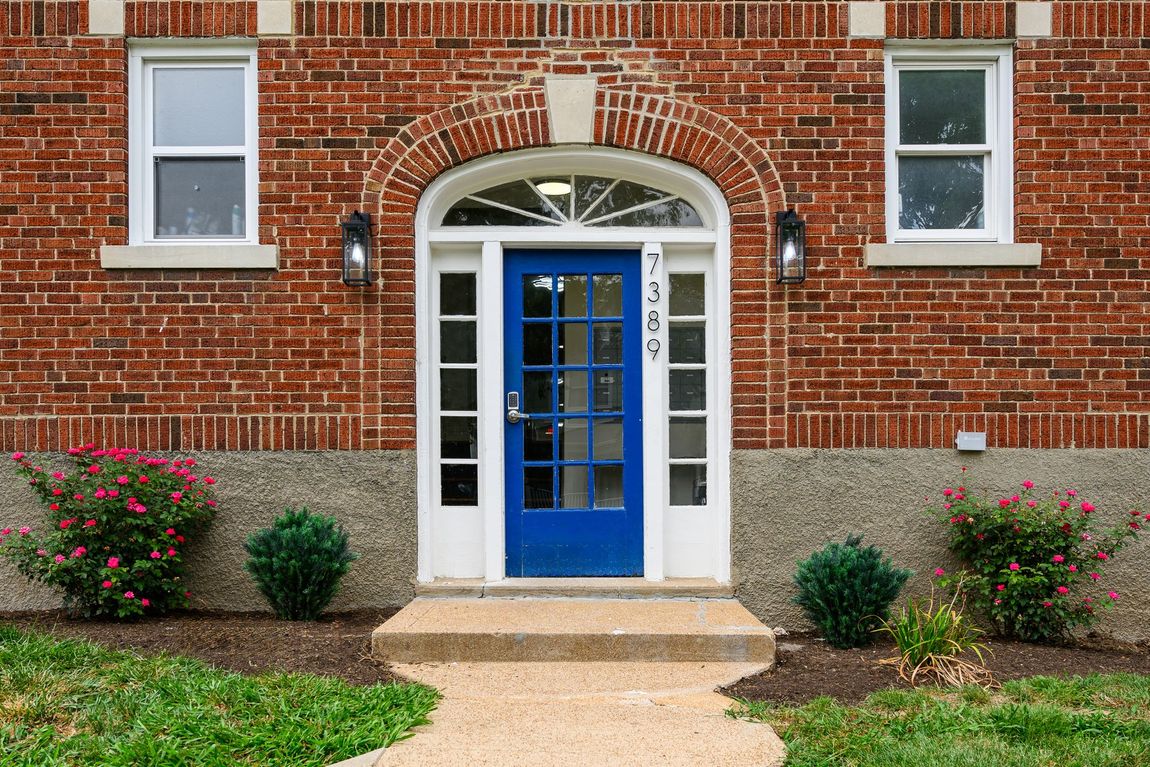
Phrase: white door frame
(484, 246)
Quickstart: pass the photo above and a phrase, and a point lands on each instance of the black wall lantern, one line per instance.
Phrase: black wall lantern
(791, 248)
(357, 249)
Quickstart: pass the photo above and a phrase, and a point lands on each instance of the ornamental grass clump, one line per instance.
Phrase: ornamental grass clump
(846, 590)
(931, 636)
(1033, 565)
(116, 532)
(298, 563)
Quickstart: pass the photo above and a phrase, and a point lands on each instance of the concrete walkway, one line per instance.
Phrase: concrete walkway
(584, 714)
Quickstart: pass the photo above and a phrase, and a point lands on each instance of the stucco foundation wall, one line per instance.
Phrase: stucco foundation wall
(372, 494)
(787, 503)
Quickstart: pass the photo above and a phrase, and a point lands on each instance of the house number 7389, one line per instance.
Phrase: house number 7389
(653, 297)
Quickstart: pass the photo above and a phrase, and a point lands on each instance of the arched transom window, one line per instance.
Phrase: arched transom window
(572, 200)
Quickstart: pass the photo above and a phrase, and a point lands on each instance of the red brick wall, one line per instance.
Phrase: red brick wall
(370, 101)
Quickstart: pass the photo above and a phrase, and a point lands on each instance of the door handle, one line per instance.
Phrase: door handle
(513, 414)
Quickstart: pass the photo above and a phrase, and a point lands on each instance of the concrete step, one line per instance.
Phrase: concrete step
(621, 588)
(573, 629)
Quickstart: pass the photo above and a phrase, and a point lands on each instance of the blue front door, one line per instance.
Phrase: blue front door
(573, 368)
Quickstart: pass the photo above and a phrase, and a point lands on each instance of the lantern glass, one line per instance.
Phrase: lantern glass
(790, 238)
(357, 249)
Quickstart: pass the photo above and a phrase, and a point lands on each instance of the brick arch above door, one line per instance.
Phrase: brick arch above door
(654, 125)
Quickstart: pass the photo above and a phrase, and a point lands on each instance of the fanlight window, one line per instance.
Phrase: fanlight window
(578, 200)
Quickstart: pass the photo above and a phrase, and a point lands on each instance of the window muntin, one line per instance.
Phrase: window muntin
(572, 200)
(688, 421)
(949, 137)
(193, 144)
(458, 368)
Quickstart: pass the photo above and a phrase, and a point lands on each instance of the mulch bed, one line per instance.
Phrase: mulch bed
(807, 667)
(337, 645)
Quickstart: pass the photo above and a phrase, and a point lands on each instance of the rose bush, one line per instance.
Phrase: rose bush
(117, 527)
(1033, 565)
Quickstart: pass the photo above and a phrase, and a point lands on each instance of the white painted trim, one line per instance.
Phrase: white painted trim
(220, 256)
(688, 183)
(491, 408)
(143, 53)
(953, 254)
(998, 182)
(654, 416)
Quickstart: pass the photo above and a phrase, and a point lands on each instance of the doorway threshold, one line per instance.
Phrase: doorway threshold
(607, 588)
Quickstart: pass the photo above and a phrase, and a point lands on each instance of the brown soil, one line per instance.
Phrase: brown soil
(336, 645)
(807, 667)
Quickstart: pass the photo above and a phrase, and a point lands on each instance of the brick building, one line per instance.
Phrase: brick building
(575, 203)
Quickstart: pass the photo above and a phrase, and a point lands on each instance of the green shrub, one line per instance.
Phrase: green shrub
(298, 562)
(846, 590)
(930, 637)
(117, 527)
(1032, 565)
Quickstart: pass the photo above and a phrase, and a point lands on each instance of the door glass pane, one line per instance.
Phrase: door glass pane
(942, 106)
(573, 343)
(537, 344)
(607, 295)
(941, 192)
(572, 295)
(457, 294)
(456, 341)
(688, 389)
(537, 440)
(573, 391)
(608, 390)
(573, 487)
(537, 490)
(459, 484)
(688, 437)
(198, 106)
(626, 194)
(471, 212)
(687, 295)
(457, 390)
(687, 342)
(537, 295)
(457, 437)
(537, 392)
(200, 197)
(573, 439)
(608, 439)
(608, 487)
(608, 343)
(688, 485)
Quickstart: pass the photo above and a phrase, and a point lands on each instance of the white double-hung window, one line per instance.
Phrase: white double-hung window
(193, 156)
(949, 145)
(949, 156)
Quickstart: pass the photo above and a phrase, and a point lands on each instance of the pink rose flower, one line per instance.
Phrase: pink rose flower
(41, 553)
(101, 493)
(155, 555)
(122, 480)
(1094, 576)
(113, 562)
(170, 531)
(1003, 503)
(17, 456)
(144, 479)
(1072, 568)
(1032, 504)
(1112, 594)
(1014, 565)
(57, 491)
(1001, 587)
(1058, 559)
(78, 497)
(1064, 504)
(5, 531)
(1063, 590)
(145, 602)
(94, 469)
(1087, 506)
(209, 481)
(938, 571)
(947, 492)
(59, 558)
(1028, 484)
(129, 595)
(24, 530)
(998, 601)
(177, 496)
(1047, 604)
(171, 552)
(1072, 493)
(57, 475)
(90, 523)
(107, 584)
(1103, 556)
(79, 551)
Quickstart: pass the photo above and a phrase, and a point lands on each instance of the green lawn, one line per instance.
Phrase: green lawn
(75, 703)
(1093, 721)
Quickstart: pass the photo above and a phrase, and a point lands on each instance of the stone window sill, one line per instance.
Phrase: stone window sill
(216, 256)
(953, 254)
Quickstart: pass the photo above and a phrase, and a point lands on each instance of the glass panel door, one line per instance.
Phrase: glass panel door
(574, 437)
